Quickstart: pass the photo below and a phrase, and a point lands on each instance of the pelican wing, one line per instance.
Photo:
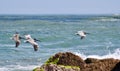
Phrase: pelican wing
(17, 44)
(35, 47)
(82, 37)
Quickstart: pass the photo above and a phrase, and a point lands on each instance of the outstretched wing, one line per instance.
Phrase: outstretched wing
(86, 33)
(36, 40)
(21, 37)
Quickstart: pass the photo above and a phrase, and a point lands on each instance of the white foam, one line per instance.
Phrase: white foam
(107, 19)
(18, 68)
(3, 69)
(53, 43)
(115, 55)
(29, 67)
(7, 45)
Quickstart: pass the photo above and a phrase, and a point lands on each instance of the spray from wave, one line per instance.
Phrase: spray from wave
(115, 55)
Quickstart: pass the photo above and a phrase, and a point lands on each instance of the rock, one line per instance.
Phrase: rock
(117, 67)
(54, 67)
(71, 62)
(69, 59)
(91, 60)
(100, 65)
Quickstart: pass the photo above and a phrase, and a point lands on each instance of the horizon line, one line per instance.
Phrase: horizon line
(65, 14)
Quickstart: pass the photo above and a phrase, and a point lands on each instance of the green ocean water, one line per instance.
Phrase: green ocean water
(57, 34)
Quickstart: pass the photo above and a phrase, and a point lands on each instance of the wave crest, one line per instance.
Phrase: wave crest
(115, 55)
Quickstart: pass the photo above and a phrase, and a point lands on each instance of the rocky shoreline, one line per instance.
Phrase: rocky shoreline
(70, 62)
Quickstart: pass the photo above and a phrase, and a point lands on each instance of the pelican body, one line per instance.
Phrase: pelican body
(16, 38)
(82, 34)
(31, 41)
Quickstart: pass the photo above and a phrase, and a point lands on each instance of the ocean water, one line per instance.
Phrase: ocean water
(57, 34)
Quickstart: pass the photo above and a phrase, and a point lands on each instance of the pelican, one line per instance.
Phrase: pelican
(30, 40)
(82, 34)
(16, 37)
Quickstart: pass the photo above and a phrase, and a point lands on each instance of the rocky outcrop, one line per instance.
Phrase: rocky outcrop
(71, 62)
(54, 67)
(68, 59)
(100, 65)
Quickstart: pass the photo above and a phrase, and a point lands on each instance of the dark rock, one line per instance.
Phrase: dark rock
(91, 60)
(100, 65)
(117, 67)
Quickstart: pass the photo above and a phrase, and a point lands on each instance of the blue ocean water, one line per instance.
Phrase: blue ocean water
(57, 34)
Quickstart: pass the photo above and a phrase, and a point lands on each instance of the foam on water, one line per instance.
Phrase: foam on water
(115, 55)
(108, 19)
(53, 43)
(4, 45)
(18, 68)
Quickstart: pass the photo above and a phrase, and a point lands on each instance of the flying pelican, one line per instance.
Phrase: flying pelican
(16, 37)
(32, 41)
(82, 34)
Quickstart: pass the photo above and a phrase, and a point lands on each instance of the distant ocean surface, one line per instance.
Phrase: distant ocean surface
(57, 34)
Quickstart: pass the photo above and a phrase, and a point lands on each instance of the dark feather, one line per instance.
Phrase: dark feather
(35, 47)
(17, 44)
(86, 33)
(36, 40)
(21, 37)
(82, 37)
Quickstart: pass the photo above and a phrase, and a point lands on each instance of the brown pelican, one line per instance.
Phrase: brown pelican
(32, 41)
(82, 34)
(16, 37)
